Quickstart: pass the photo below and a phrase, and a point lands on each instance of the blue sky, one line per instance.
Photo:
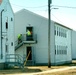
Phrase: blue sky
(65, 16)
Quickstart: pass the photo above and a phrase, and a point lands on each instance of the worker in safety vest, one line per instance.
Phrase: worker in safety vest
(19, 38)
(28, 35)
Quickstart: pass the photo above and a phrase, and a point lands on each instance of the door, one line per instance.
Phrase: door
(29, 30)
(29, 49)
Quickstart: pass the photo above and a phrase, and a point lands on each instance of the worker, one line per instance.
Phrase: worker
(19, 38)
(28, 33)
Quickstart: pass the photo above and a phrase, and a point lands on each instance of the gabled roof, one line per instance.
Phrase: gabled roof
(62, 25)
(30, 12)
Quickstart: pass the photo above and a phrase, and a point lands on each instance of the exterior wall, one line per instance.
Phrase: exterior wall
(52, 41)
(62, 44)
(7, 33)
(73, 44)
(40, 26)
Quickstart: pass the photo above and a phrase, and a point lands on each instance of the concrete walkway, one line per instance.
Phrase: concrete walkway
(52, 71)
(48, 71)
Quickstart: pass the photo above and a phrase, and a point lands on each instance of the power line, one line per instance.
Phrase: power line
(57, 19)
(30, 7)
(42, 6)
(64, 6)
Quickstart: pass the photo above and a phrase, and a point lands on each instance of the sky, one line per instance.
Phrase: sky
(65, 14)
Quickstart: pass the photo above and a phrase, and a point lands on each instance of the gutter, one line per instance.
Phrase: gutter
(1, 35)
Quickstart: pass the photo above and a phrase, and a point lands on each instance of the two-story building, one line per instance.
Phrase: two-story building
(61, 47)
(6, 31)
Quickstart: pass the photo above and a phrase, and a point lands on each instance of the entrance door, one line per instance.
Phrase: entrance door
(29, 49)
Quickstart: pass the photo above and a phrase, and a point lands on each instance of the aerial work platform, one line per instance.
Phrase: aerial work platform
(25, 41)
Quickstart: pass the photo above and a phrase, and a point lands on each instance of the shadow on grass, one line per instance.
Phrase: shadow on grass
(70, 64)
(18, 71)
(73, 63)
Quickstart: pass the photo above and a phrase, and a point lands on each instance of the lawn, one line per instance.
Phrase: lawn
(36, 69)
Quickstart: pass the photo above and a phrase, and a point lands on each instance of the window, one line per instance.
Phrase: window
(57, 31)
(61, 33)
(6, 25)
(59, 50)
(66, 49)
(65, 34)
(6, 46)
(55, 49)
(11, 19)
(11, 43)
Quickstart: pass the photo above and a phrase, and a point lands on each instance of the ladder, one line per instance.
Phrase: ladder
(27, 58)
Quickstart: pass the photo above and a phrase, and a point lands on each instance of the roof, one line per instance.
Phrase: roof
(25, 10)
(62, 25)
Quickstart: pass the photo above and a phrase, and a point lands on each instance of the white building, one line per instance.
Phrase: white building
(60, 39)
(74, 45)
(6, 31)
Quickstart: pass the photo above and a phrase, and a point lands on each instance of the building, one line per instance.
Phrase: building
(34, 48)
(6, 31)
(73, 45)
(63, 46)
(60, 39)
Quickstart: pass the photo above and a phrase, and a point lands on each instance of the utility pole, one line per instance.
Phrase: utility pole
(49, 31)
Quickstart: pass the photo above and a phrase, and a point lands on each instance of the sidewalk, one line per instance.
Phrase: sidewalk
(51, 71)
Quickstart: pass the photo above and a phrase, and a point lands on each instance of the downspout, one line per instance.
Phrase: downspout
(1, 35)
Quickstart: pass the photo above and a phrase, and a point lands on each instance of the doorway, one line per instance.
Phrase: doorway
(29, 49)
(29, 30)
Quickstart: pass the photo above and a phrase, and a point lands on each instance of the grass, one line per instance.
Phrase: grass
(35, 69)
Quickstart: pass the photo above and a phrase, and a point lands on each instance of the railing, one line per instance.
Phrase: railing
(34, 38)
(17, 59)
(14, 58)
(16, 43)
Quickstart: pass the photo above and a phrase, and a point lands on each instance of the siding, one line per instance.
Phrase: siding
(73, 44)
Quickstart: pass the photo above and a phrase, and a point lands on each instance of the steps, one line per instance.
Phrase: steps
(17, 60)
(18, 46)
(14, 60)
